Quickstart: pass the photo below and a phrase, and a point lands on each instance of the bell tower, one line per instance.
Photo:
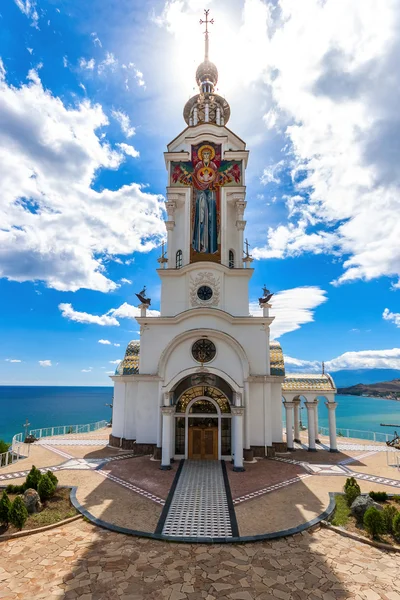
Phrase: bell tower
(205, 266)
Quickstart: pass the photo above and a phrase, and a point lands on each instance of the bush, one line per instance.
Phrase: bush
(396, 527)
(5, 506)
(373, 521)
(52, 477)
(33, 478)
(379, 496)
(18, 513)
(46, 487)
(389, 513)
(4, 446)
(351, 493)
(350, 481)
(396, 498)
(15, 489)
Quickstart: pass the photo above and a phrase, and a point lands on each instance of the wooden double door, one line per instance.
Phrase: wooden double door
(203, 443)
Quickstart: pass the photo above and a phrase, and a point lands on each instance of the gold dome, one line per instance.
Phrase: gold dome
(207, 72)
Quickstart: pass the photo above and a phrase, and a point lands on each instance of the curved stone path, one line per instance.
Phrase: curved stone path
(80, 561)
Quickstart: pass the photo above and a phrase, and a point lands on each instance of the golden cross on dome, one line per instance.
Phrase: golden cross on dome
(206, 22)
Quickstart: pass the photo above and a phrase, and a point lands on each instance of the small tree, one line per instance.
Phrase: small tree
(33, 478)
(396, 526)
(373, 521)
(4, 446)
(18, 513)
(46, 488)
(52, 477)
(350, 481)
(379, 496)
(5, 506)
(389, 513)
(351, 493)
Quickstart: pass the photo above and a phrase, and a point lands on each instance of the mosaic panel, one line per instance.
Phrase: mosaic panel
(300, 382)
(277, 363)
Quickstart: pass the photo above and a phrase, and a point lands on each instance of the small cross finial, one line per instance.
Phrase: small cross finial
(246, 243)
(323, 368)
(206, 21)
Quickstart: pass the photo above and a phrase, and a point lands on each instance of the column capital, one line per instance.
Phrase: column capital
(168, 410)
(169, 225)
(331, 405)
(170, 205)
(240, 225)
(316, 401)
(297, 400)
(289, 404)
(310, 405)
(237, 411)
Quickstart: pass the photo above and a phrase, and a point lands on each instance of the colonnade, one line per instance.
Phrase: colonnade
(292, 407)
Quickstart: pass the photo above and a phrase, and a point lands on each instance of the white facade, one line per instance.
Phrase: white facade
(169, 395)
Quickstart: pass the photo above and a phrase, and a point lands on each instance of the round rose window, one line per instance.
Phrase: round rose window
(203, 350)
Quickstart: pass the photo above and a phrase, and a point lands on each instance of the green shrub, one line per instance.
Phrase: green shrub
(46, 488)
(389, 513)
(396, 526)
(15, 489)
(379, 496)
(350, 481)
(52, 477)
(5, 506)
(18, 513)
(352, 492)
(4, 446)
(373, 521)
(396, 498)
(33, 478)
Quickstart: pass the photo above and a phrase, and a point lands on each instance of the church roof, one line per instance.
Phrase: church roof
(308, 383)
(276, 359)
(130, 364)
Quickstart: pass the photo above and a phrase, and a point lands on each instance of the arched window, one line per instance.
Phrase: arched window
(231, 259)
(179, 259)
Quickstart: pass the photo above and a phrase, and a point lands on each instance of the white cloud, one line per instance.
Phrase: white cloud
(45, 363)
(125, 311)
(115, 362)
(110, 63)
(292, 308)
(124, 122)
(96, 40)
(105, 342)
(364, 359)
(271, 173)
(389, 316)
(87, 370)
(28, 7)
(117, 345)
(297, 365)
(129, 150)
(65, 61)
(82, 317)
(138, 75)
(55, 226)
(13, 360)
(89, 65)
(125, 280)
(330, 74)
(30, 50)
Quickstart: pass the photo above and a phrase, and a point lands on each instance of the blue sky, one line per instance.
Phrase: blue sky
(90, 95)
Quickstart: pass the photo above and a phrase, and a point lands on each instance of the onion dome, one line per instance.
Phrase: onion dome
(207, 75)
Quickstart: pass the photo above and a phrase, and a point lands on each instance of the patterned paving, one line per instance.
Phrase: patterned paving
(376, 479)
(70, 442)
(199, 507)
(271, 488)
(130, 486)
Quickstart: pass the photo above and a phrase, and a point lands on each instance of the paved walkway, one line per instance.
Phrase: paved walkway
(82, 562)
(199, 506)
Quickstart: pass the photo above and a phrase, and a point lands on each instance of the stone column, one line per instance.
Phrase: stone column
(167, 416)
(311, 426)
(316, 402)
(297, 403)
(332, 425)
(289, 425)
(237, 415)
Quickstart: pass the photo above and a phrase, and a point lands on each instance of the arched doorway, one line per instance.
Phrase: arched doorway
(202, 421)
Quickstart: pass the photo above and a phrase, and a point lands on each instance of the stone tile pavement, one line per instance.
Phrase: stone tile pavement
(79, 561)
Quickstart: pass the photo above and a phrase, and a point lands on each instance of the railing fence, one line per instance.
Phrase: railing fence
(373, 436)
(67, 429)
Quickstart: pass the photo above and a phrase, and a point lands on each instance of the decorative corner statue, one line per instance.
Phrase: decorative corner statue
(142, 297)
(266, 297)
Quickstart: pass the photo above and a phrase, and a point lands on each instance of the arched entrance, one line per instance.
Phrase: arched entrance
(202, 419)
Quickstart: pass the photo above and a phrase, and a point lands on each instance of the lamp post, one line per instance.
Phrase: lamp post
(26, 425)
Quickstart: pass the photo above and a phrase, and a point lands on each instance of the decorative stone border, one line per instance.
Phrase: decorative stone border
(190, 540)
(359, 538)
(24, 533)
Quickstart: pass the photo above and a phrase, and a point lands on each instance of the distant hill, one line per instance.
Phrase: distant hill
(382, 388)
(346, 378)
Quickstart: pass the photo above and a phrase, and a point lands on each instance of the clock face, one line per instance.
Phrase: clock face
(204, 292)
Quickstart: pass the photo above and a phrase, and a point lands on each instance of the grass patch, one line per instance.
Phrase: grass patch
(55, 509)
(342, 512)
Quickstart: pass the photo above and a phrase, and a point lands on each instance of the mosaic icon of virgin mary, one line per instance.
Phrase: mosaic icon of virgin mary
(206, 169)
(205, 235)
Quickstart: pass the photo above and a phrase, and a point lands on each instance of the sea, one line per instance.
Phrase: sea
(53, 406)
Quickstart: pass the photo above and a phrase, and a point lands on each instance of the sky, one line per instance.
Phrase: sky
(90, 95)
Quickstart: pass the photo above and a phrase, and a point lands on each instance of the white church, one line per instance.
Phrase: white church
(206, 381)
